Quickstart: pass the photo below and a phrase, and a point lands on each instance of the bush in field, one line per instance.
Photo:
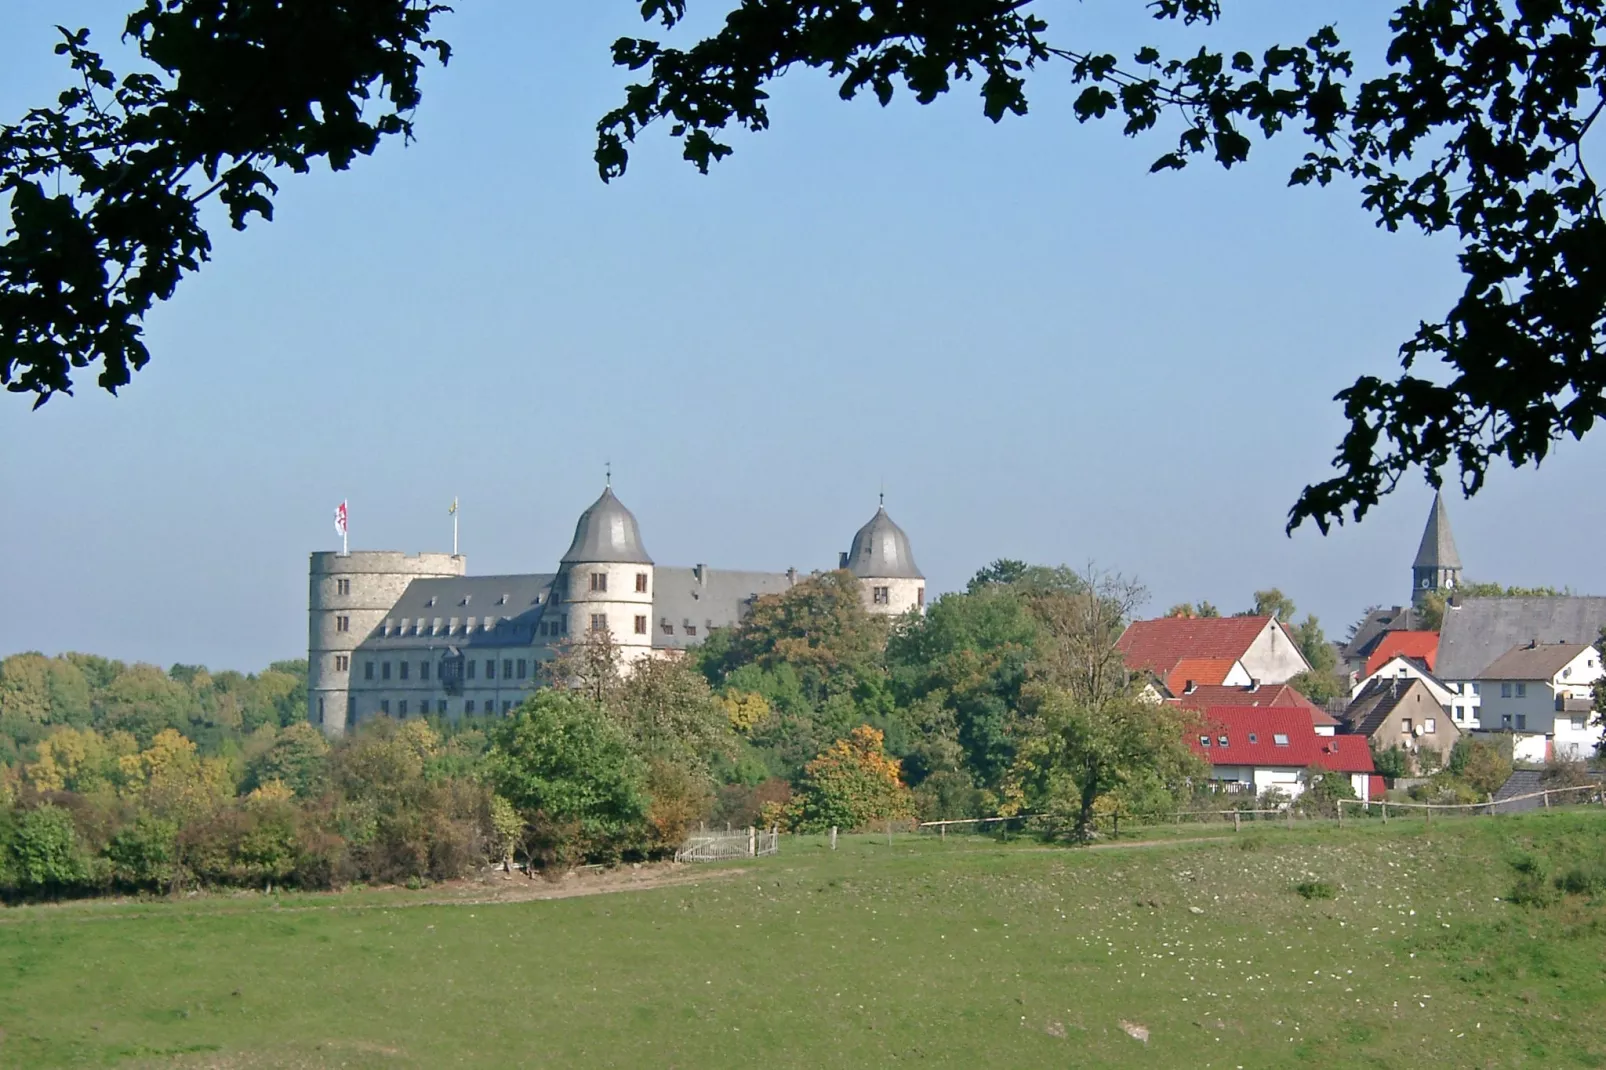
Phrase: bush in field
(42, 856)
(570, 771)
(144, 855)
(680, 798)
(948, 796)
(850, 785)
(1323, 790)
(741, 806)
(1482, 765)
(1392, 762)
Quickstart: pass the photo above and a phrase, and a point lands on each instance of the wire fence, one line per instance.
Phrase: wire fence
(724, 846)
(1290, 815)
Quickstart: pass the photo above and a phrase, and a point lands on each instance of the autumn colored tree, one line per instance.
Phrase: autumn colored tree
(850, 785)
(819, 628)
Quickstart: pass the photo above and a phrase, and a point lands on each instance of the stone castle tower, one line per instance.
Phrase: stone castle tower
(349, 595)
(605, 579)
(880, 558)
(1437, 569)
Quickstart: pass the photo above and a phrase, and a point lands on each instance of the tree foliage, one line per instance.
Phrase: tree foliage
(850, 785)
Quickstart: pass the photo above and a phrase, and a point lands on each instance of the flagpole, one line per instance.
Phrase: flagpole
(454, 530)
(345, 548)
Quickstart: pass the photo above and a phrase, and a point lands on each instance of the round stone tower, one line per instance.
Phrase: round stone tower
(348, 595)
(606, 579)
(889, 579)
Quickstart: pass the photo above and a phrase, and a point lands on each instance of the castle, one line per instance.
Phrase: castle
(412, 634)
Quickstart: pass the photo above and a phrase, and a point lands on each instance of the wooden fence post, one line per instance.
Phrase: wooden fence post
(1341, 813)
(1428, 810)
(1290, 815)
(752, 842)
(1547, 800)
(1235, 819)
(942, 831)
(833, 837)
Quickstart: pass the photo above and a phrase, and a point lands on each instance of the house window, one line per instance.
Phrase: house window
(342, 624)
(1459, 713)
(469, 667)
(1430, 725)
(881, 596)
(423, 670)
(384, 671)
(401, 708)
(1522, 690)
(599, 581)
(1475, 689)
(490, 668)
(384, 706)
(1522, 722)
(404, 667)
(342, 587)
(523, 667)
(1505, 690)
(368, 670)
(1576, 723)
(1279, 739)
(599, 622)
(1405, 725)
(641, 583)
(468, 705)
(1221, 741)
(1505, 720)
(641, 625)
(342, 663)
(1204, 741)
(507, 668)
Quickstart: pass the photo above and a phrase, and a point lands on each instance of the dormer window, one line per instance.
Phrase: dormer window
(1221, 741)
(431, 601)
(1204, 741)
(1280, 739)
(466, 597)
(502, 601)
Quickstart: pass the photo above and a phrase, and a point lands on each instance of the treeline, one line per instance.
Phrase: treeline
(1007, 697)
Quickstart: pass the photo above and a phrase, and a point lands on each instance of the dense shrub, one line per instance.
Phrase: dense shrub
(43, 857)
(850, 785)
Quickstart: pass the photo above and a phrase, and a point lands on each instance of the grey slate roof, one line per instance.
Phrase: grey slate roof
(881, 551)
(1533, 661)
(1438, 545)
(705, 598)
(1378, 622)
(607, 532)
(423, 615)
(1369, 709)
(1480, 630)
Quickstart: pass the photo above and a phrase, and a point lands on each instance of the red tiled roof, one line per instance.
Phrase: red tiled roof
(1424, 646)
(1252, 733)
(1201, 671)
(1278, 695)
(1159, 645)
(1345, 754)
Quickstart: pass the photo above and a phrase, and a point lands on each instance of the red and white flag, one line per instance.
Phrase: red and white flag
(340, 520)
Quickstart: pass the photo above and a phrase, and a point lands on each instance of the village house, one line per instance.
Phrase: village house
(1212, 651)
(1400, 667)
(1254, 749)
(1477, 631)
(1402, 712)
(1542, 694)
(1205, 698)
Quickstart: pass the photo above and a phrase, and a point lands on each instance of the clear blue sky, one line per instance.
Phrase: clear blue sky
(1043, 351)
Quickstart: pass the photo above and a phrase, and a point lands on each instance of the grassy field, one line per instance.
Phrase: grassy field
(962, 953)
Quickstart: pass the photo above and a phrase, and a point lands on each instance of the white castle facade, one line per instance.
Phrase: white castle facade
(400, 635)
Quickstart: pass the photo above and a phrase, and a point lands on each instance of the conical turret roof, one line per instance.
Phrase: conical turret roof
(607, 532)
(1438, 544)
(881, 551)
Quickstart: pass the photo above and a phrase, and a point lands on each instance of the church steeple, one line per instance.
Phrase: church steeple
(1437, 569)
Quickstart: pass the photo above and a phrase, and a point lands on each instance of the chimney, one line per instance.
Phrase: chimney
(842, 559)
(791, 577)
(701, 572)
(1188, 688)
(1254, 685)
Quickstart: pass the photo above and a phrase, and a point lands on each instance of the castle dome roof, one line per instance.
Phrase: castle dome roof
(881, 551)
(607, 532)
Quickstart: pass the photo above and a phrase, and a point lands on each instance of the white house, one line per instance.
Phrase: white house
(1401, 667)
(1541, 693)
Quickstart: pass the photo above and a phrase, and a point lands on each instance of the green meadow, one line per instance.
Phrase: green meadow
(1384, 946)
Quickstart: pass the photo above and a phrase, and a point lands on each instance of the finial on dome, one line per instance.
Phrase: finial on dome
(607, 473)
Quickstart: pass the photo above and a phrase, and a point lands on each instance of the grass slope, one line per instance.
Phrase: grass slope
(961, 953)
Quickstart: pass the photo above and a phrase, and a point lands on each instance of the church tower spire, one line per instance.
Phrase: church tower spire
(1437, 569)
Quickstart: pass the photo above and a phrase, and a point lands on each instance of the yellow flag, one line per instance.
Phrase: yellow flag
(453, 510)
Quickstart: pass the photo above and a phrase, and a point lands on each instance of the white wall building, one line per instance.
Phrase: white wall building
(1541, 693)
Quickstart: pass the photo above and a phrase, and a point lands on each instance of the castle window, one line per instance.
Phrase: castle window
(691, 629)
(641, 625)
(641, 583)
(506, 705)
(440, 706)
(404, 667)
(522, 668)
(490, 668)
(384, 671)
(669, 629)
(920, 596)
(423, 670)
(599, 622)
(468, 705)
(368, 670)
(342, 624)
(401, 708)
(342, 663)
(469, 666)
(507, 668)
(384, 706)
(881, 596)
(320, 711)
(342, 587)
(599, 581)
